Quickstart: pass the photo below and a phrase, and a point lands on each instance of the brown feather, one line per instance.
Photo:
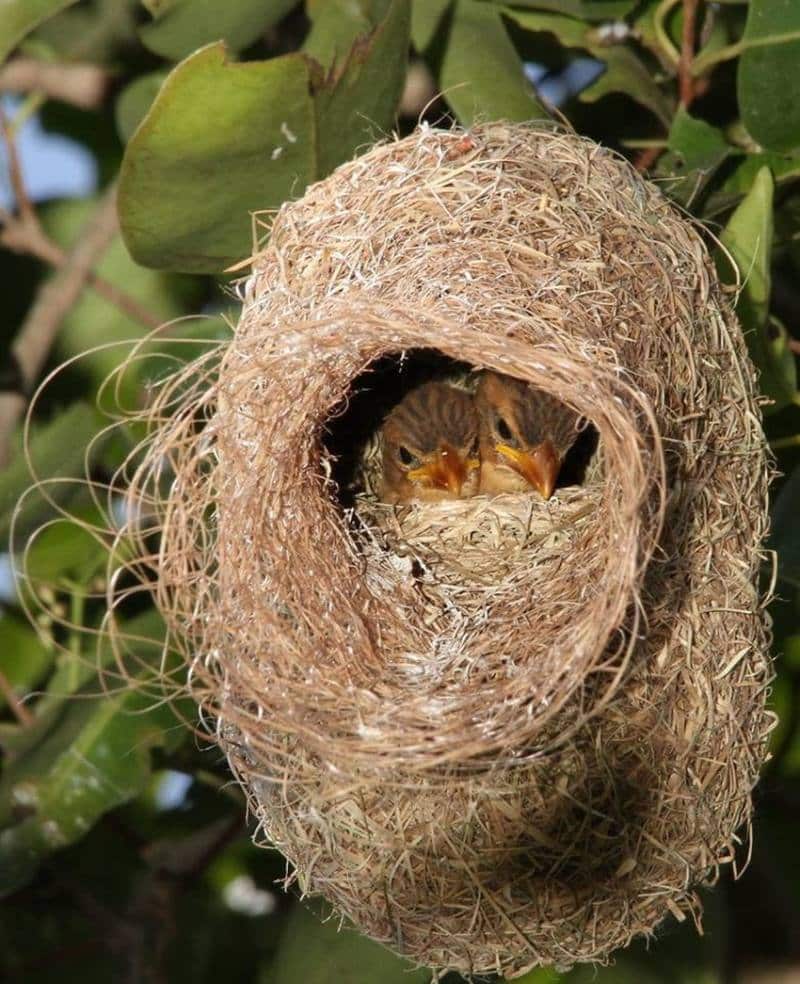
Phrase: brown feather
(531, 416)
(428, 418)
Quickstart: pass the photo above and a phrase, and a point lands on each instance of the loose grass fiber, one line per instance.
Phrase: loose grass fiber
(502, 732)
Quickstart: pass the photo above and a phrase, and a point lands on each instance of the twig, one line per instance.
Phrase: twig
(25, 235)
(686, 87)
(50, 307)
(24, 204)
(81, 85)
(18, 709)
(24, 238)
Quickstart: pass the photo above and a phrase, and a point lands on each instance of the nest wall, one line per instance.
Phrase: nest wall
(494, 733)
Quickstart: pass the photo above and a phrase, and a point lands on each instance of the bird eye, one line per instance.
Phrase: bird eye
(503, 429)
(406, 457)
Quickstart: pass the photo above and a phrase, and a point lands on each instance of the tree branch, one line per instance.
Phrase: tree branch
(24, 238)
(686, 82)
(81, 85)
(24, 234)
(51, 305)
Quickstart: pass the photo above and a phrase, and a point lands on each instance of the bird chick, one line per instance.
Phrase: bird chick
(430, 446)
(524, 435)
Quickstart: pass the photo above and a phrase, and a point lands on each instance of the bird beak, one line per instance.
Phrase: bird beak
(447, 470)
(539, 467)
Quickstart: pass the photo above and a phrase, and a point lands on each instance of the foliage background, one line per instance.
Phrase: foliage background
(124, 851)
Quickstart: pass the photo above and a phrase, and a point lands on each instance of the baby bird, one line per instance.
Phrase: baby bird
(430, 446)
(524, 435)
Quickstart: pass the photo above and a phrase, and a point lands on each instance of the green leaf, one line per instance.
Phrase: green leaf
(317, 952)
(93, 319)
(183, 26)
(134, 102)
(24, 658)
(362, 95)
(95, 32)
(479, 71)
(589, 10)
(61, 549)
(426, 16)
(19, 17)
(696, 149)
(58, 450)
(768, 81)
(187, 188)
(336, 24)
(79, 760)
(739, 181)
(625, 72)
(748, 237)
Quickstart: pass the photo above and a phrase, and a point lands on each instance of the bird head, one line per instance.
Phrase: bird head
(430, 446)
(524, 433)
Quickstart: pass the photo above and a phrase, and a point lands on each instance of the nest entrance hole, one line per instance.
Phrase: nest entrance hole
(353, 427)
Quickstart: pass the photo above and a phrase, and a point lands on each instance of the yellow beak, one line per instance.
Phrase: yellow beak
(446, 470)
(538, 467)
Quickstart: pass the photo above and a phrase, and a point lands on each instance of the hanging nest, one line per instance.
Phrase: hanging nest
(496, 732)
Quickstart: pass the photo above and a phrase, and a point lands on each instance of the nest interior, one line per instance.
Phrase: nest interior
(496, 732)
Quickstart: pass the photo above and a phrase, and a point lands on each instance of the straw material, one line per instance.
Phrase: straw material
(494, 733)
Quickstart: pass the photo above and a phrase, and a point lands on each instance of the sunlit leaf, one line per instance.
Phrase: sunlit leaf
(480, 72)
(748, 238)
(183, 26)
(768, 80)
(624, 72)
(358, 102)
(317, 952)
(187, 187)
(19, 17)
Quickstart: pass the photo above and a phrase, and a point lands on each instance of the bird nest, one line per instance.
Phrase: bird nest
(500, 731)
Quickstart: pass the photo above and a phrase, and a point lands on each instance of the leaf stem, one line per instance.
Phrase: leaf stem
(18, 709)
(686, 84)
(671, 53)
(707, 61)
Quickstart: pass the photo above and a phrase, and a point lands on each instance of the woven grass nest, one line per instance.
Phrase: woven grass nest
(497, 732)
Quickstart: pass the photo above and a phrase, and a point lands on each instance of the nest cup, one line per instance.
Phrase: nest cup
(497, 732)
